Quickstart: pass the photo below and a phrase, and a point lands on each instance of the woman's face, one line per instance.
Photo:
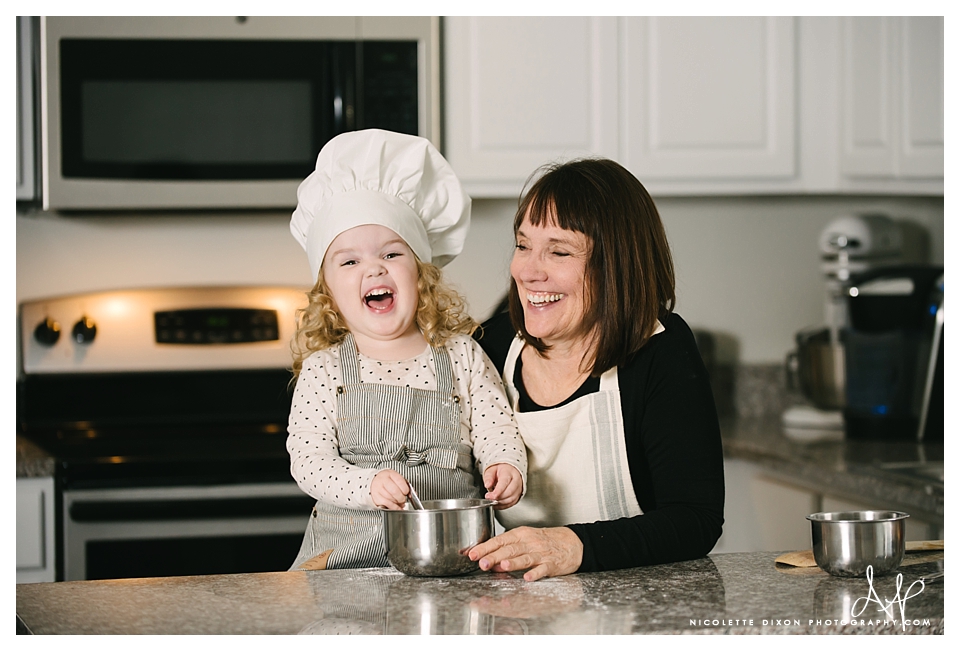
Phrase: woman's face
(548, 266)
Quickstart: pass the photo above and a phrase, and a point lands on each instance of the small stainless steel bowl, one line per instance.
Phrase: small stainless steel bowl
(845, 543)
(435, 541)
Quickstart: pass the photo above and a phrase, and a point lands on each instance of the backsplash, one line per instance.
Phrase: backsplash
(752, 390)
(762, 389)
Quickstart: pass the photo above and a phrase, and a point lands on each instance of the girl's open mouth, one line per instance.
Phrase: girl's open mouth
(379, 299)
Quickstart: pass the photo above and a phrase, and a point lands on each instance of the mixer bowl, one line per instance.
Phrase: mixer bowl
(817, 367)
(435, 541)
(845, 543)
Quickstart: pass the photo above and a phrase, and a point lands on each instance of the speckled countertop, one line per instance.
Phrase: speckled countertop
(32, 461)
(725, 593)
(854, 469)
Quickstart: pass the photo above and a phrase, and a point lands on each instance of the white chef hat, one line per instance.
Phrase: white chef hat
(386, 178)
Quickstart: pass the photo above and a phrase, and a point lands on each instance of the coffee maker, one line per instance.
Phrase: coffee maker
(894, 354)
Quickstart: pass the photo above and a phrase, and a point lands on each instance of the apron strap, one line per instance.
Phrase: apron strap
(441, 361)
(349, 361)
(509, 368)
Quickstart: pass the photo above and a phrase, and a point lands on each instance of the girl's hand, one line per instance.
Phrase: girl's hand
(547, 552)
(504, 484)
(389, 489)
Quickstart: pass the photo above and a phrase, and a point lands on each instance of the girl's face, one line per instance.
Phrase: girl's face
(549, 266)
(372, 276)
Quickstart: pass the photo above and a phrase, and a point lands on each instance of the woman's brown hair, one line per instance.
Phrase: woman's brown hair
(629, 278)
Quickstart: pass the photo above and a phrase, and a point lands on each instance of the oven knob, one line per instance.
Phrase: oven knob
(47, 332)
(84, 330)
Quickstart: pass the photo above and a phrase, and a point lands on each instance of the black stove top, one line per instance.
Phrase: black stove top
(160, 428)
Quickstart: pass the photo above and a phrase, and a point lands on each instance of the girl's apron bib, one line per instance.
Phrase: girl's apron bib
(576, 456)
(415, 432)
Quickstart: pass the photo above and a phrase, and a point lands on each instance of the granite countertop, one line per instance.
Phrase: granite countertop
(892, 473)
(32, 461)
(745, 593)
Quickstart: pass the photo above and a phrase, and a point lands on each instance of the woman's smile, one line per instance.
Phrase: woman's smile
(541, 300)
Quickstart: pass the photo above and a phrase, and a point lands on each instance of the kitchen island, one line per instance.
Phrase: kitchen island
(745, 593)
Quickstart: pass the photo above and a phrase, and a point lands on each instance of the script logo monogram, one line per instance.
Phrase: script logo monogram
(900, 601)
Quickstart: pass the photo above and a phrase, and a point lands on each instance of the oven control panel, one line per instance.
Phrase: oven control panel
(217, 325)
(205, 328)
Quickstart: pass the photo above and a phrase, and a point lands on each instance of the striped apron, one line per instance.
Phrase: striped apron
(413, 431)
(577, 458)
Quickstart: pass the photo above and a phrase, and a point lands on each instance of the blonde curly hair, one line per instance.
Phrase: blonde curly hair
(441, 314)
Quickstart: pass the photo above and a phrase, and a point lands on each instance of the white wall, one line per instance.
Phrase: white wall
(747, 268)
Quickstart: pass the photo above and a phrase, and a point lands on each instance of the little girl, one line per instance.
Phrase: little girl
(390, 388)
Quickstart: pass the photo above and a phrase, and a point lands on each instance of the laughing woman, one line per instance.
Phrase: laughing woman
(609, 389)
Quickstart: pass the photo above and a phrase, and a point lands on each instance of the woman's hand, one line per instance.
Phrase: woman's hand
(547, 552)
(504, 483)
(389, 489)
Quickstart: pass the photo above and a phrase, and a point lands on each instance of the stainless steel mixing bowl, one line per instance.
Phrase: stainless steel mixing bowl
(845, 543)
(435, 541)
(817, 368)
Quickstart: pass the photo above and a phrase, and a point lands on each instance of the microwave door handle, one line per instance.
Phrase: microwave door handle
(344, 86)
(337, 85)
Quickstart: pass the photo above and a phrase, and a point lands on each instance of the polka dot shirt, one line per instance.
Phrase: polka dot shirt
(486, 421)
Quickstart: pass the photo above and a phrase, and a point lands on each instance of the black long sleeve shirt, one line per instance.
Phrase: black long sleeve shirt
(673, 448)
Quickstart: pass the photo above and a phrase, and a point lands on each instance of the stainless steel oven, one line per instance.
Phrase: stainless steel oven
(166, 411)
(219, 112)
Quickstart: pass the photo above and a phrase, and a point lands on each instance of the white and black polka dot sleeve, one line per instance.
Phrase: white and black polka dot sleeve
(493, 428)
(315, 460)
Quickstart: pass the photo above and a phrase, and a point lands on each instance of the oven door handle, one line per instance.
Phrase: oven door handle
(189, 509)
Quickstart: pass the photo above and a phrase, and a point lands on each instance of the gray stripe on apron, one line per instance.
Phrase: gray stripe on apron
(610, 479)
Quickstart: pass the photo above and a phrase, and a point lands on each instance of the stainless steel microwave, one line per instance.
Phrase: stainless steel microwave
(161, 113)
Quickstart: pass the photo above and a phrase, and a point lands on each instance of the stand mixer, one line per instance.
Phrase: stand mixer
(850, 244)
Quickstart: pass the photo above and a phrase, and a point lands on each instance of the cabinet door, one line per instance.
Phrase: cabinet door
(761, 513)
(708, 98)
(35, 534)
(521, 92)
(921, 124)
(892, 80)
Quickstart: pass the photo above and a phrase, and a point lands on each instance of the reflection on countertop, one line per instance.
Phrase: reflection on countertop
(901, 474)
(724, 593)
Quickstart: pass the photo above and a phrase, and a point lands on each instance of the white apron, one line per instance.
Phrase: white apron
(576, 455)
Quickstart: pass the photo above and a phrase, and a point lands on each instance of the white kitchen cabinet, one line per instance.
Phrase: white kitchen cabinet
(520, 92)
(35, 530)
(892, 99)
(700, 105)
(762, 513)
(708, 98)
